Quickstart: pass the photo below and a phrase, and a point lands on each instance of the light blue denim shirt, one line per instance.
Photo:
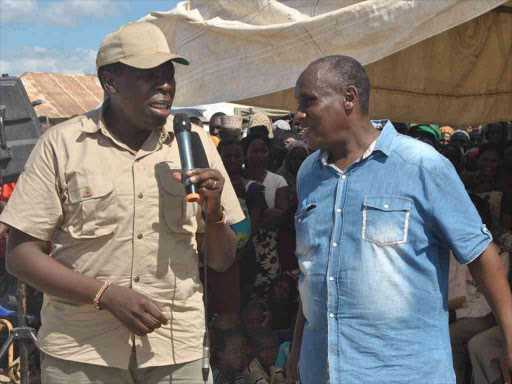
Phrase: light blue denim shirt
(373, 246)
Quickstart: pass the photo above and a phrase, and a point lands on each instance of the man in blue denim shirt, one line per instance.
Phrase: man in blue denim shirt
(378, 214)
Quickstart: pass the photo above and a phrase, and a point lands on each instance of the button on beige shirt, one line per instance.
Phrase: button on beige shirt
(115, 214)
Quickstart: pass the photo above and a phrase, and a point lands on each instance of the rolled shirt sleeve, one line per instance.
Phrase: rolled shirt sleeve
(455, 218)
(229, 199)
(35, 205)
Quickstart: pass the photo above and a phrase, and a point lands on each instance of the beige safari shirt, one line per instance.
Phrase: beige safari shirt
(115, 214)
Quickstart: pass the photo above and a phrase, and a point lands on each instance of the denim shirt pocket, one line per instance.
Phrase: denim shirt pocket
(386, 219)
(305, 229)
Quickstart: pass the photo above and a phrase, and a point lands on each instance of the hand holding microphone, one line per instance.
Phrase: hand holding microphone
(205, 186)
(182, 129)
(199, 183)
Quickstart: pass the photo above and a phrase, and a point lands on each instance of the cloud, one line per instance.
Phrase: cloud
(38, 59)
(67, 13)
(17, 11)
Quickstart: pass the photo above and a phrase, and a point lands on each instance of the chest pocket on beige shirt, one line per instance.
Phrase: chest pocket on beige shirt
(93, 200)
(179, 215)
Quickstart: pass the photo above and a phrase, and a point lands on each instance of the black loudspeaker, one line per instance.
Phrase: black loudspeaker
(19, 128)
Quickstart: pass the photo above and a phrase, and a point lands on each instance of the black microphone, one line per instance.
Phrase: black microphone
(183, 136)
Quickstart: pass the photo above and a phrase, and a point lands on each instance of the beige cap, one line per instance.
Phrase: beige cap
(141, 45)
(231, 122)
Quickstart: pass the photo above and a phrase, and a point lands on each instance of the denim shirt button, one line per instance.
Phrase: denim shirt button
(331, 314)
(331, 278)
(344, 177)
(334, 244)
(338, 210)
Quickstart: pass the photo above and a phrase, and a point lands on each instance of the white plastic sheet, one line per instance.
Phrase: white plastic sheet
(442, 61)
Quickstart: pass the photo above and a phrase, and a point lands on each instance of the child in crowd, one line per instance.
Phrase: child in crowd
(226, 321)
(256, 315)
(232, 351)
(220, 323)
(264, 345)
(282, 302)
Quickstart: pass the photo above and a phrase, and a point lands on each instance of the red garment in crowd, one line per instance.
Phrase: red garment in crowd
(7, 190)
(6, 193)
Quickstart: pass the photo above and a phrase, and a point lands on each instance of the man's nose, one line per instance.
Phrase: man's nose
(163, 85)
(163, 81)
(299, 115)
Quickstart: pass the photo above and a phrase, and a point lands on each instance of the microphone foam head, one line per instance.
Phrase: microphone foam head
(181, 123)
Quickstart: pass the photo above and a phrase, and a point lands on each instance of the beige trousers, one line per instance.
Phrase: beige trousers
(58, 371)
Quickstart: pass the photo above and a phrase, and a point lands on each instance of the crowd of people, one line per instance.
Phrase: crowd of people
(369, 215)
(253, 305)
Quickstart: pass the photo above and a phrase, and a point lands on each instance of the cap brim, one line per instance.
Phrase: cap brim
(153, 60)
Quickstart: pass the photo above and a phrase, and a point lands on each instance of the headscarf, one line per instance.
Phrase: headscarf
(260, 119)
(281, 124)
(432, 129)
(447, 129)
(463, 132)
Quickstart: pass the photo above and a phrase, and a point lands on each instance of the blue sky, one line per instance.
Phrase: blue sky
(63, 35)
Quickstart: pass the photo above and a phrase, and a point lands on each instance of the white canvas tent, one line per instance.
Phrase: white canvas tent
(442, 61)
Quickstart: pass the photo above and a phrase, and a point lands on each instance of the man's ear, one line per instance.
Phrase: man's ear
(108, 80)
(350, 98)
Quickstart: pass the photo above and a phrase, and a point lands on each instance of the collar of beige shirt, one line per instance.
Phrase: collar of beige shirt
(96, 123)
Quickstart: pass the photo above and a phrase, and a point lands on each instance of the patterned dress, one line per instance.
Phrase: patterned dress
(265, 242)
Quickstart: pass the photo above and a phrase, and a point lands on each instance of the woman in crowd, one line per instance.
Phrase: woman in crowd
(495, 133)
(280, 127)
(460, 139)
(265, 240)
(455, 155)
(491, 182)
(446, 134)
(252, 200)
(297, 151)
(259, 123)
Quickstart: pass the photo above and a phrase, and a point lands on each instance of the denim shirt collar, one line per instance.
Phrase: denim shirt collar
(384, 142)
(386, 138)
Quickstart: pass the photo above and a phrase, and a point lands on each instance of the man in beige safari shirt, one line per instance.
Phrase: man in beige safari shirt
(104, 188)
